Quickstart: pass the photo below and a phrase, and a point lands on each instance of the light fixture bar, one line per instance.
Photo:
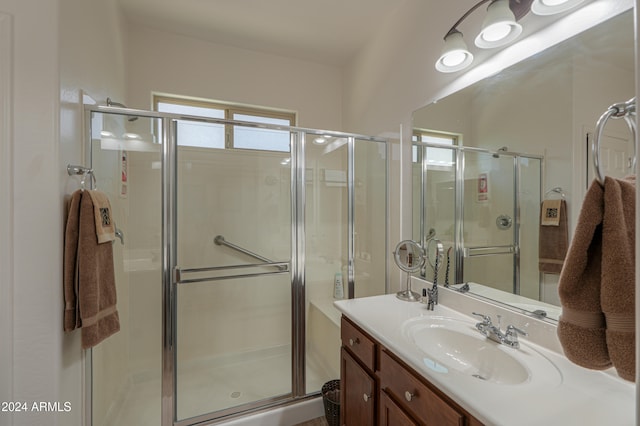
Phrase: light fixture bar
(469, 12)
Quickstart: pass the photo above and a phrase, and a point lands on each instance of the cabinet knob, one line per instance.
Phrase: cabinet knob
(355, 341)
(366, 397)
(408, 396)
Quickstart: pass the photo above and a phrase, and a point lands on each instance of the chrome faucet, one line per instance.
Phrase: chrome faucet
(509, 337)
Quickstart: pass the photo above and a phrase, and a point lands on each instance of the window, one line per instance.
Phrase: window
(438, 157)
(212, 135)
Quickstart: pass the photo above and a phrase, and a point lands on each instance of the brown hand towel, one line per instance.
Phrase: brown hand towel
(581, 327)
(96, 280)
(71, 317)
(105, 227)
(618, 273)
(553, 236)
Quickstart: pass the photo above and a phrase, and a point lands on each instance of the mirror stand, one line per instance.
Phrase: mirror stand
(408, 295)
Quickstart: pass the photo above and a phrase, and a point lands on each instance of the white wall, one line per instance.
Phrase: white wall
(6, 211)
(50, 62)
(159, 61)
(35, 212)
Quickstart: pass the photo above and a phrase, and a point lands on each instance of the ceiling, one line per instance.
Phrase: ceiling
(324, 31)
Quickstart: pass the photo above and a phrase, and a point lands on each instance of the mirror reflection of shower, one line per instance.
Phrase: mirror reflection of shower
(485, 207)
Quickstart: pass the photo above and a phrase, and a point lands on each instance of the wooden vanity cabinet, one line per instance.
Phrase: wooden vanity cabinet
(377, 388)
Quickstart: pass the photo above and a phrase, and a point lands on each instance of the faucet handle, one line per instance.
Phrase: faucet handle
(514, 331)
(511, 336)
(485, 318)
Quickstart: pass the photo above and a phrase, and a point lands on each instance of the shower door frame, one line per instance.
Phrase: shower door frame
(169, 154)
(459, 151)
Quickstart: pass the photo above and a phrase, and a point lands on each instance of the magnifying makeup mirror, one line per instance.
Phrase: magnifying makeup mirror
(409, 257)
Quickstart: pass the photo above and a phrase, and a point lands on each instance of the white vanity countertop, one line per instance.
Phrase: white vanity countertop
(573, 396)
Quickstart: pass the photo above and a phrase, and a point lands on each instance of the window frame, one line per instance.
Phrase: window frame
(417, 137)
(230, 109)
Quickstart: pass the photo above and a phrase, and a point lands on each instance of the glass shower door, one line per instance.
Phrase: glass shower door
(489, 225)
(126, 386)
(233, 296)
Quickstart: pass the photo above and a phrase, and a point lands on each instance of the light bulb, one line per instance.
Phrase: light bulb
(455, 58)
(496, 32)
(455, 55)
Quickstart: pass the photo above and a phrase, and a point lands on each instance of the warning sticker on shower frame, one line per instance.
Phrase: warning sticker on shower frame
(483, 187)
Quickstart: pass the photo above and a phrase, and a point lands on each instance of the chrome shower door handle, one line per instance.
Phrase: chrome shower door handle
(181, 273)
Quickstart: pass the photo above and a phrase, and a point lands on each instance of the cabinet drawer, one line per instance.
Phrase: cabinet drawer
(414, 396)
(358, 343)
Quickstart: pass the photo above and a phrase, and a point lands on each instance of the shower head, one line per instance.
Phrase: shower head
(503, 149)
(118, 104)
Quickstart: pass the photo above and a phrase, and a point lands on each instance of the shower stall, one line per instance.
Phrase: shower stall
(484, 206)
(226, 270)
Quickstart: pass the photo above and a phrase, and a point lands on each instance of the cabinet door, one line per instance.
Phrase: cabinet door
(391, 414)
(357, 404)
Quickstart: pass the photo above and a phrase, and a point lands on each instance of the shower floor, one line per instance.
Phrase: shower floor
(206, 387)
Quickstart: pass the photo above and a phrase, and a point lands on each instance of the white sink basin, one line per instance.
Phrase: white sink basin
(451, 345)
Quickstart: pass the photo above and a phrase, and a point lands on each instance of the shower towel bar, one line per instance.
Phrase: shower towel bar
(179, 273)
(220, 241)
(485, 251)
(624, 110)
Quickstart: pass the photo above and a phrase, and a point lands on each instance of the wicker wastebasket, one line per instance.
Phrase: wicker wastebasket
(331, 399)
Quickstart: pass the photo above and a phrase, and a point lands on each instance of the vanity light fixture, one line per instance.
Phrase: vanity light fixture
(499, 28)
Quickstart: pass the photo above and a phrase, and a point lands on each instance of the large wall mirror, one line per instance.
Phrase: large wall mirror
(486, 156)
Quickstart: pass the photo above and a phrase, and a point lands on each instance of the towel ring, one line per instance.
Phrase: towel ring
(93, 182)
(623, 110)
(83, 171)
(557, 190)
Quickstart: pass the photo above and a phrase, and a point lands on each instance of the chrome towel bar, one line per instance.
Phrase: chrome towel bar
(179, 273)
(485, 251)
